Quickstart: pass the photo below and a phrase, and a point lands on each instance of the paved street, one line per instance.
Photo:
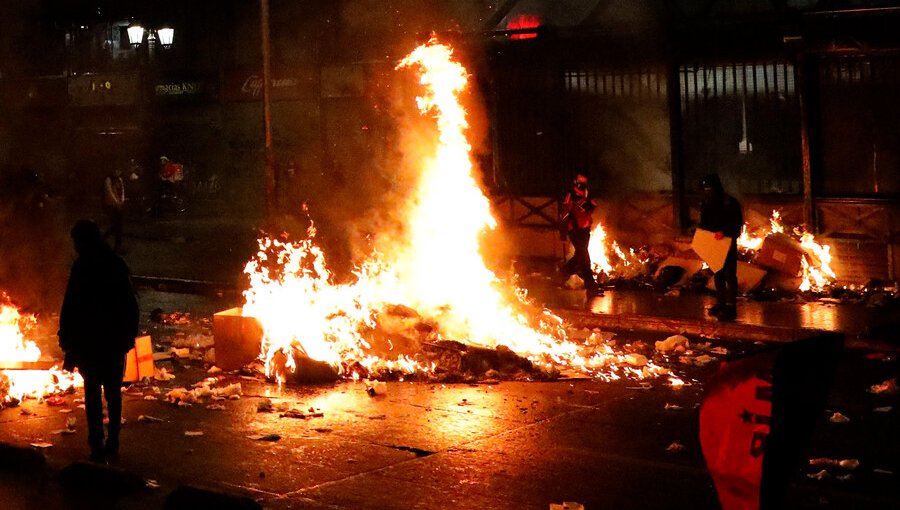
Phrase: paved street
(426, 445)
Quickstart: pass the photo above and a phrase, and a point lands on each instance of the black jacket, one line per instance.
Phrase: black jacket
(722, 213)
(99, 317)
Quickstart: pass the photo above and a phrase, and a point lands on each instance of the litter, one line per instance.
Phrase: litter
(161, 374)
(151, 484)
(148, 418)
(676, 343)
(888, 387)
(376, 388)
(885, 409)
(56, 401)
(845, 463)
(566, 505)
(845, 478)
(216, 407)
(838, 418)
(149, 397)
(673, 407)
(882, 471)
(636, 360)
(264, 437)
(41, 445)
(676, 447)
(264, 406)
(821, 475)
(214, 370)
(193, 433)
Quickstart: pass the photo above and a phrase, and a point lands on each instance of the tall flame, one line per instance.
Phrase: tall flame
(436, 268)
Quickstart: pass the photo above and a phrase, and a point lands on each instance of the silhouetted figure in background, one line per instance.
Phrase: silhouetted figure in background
(577, 219)
(721, 213)
(114, 207)
(97, 327)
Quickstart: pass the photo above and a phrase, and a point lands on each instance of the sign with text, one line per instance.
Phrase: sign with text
(248, 85)
(104, 89)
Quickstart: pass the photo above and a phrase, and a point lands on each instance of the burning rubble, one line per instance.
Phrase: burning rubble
(23, 374)
(423, 302)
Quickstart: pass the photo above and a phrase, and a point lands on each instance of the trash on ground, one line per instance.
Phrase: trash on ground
(214, 370)
(821, 475)
(148, 418)
(885, 409)
(264, 437)
(882, 471)
(193, 433)
(673, 407)
(150, 397)
(676, 447)
(376, 388)
(151, 484)
(264, 406)
(675, 343)
(216, 407)
(161, 374)
(636, 360)
(842, 463)
(888, 387)
(41, 445)
(838, 418)
(845, 478)
(566, 505)
(55, 401)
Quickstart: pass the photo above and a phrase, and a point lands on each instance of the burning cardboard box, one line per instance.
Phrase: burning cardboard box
(782, 253)
(238, 338)
(238, 342)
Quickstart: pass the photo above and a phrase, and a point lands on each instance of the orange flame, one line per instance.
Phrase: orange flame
(16, 385)
(817, 273)
(435, 269)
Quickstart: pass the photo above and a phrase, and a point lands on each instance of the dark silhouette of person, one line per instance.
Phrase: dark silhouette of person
(114, 206)
(721, 213)
(97, 327)
(576, 219)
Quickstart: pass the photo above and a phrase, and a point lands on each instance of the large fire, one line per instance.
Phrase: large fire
(435, 269)
(16, 385)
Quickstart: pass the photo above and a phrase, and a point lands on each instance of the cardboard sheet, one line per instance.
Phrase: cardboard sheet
(713, 251)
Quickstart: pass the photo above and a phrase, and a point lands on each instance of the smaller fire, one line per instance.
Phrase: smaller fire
(16, 385)
(608, 258)
(817, 273)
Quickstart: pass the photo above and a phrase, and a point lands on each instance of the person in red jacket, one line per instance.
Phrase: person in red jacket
(577, 218)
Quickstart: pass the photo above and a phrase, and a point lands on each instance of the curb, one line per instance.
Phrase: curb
(711, 329)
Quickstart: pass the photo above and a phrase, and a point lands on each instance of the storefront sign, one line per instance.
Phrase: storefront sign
(248, 86)
(104, 90)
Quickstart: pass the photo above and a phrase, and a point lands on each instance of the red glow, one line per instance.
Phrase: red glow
(523, 21)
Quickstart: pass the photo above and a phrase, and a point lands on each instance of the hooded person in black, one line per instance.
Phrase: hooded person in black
(721, 213)
(97, 327)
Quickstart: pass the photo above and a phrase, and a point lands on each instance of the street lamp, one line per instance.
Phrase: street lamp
(135, 35)
(166, 35)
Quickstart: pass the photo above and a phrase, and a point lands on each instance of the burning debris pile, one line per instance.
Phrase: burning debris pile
(773, 261)
(423, 302)
(22, 372)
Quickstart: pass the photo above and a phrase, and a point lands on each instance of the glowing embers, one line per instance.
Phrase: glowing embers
(26, 375)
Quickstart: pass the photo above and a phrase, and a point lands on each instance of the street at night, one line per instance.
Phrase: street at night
(462, 254)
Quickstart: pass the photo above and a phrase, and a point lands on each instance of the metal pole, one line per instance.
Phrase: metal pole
(267, 109)
(803, 99)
